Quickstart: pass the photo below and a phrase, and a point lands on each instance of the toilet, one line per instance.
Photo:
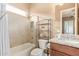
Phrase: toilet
(40, 51)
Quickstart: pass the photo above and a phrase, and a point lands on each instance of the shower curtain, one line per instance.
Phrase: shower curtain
(4, 36)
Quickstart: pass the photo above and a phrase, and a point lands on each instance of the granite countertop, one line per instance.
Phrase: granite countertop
(73, 43)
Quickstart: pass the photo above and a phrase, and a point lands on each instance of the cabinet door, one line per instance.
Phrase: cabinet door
(58, 49)
(57, 53)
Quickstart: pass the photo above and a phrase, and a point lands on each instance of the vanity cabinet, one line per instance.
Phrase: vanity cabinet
(63, 50)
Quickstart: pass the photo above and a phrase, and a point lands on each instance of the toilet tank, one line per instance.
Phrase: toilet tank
(43, 43)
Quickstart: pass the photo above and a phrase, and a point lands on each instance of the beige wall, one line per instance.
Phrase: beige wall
(56, 15)
(41, 8)
(19, 27)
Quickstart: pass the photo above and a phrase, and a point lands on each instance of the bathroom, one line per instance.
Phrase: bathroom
(39, 29)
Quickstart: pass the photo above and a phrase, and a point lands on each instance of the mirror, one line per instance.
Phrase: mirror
(68, 21)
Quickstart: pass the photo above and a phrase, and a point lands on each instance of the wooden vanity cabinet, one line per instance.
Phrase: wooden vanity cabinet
(63, 50)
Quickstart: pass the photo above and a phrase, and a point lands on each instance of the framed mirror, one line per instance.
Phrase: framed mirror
(67, 21)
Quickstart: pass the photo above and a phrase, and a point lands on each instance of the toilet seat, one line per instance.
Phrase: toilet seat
(37, 52)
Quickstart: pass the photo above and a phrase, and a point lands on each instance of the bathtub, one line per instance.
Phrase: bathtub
(22, 50)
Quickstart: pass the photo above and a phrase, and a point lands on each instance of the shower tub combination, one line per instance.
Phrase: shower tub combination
(22, 50)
